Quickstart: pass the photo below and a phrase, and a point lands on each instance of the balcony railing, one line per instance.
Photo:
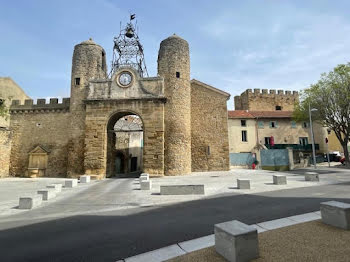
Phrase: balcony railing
(297, 147)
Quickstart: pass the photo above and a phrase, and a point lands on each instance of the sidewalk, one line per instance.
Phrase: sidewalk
(296, 238)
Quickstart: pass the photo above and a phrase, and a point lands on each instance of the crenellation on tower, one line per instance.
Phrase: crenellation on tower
(266, 100)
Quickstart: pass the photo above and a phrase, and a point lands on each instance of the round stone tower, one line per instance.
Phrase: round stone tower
(174, 66)
(89, 62)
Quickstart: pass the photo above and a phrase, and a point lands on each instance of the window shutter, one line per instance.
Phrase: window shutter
(276, 125)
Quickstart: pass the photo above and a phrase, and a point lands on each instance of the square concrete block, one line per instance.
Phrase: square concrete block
(279, 179)
(182, 190)
(144, 178)
(29, 202)
(56, 187)
(85, 179)
(336, 214)
(47, 193)
(71, 183)
(243, 183)
(146, 185)
(236, 241)
(311, 176)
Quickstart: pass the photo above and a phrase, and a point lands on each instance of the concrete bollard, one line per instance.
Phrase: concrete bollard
(70, 183)
(29, 202)
(85, 179)
(236, 241)
(243, 183)
(182, 190)
(146, 185)
(56, 187)
(279, 179)
(336, 214)
(311, 176)
(144, 177)
(47, 193)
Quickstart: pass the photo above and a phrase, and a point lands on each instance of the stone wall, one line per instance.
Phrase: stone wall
(88, 63)
(210, 148)
(40, 124)
(101, 114)
(264, 100)
(5, 149)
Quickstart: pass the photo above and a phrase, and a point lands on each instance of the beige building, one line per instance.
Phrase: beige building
(264, 117)
(78, 135)
(247, 129)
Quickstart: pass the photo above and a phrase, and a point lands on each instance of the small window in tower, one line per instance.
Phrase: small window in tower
(278, 108)
(77, 81)
(243, 123)
(177, 74)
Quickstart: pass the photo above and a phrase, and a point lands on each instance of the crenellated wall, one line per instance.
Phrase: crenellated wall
(44, 124)
(266, 100)
(40, 105)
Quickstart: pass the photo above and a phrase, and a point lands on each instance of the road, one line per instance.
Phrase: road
(109, 236)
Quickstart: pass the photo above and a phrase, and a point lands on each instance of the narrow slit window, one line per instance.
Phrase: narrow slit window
(244, 136)
(177, 74)
(77, 81)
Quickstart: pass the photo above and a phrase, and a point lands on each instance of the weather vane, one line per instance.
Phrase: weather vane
(127, 50)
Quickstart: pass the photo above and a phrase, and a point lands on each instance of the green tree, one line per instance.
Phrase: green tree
(4, 112)
(331, 97)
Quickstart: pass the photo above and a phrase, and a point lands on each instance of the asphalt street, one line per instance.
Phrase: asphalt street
(110, 236)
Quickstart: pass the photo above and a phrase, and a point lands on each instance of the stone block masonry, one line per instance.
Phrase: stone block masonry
(209, 128)
(266, 100)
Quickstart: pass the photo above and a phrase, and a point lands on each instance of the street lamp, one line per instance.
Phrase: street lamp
(312, 135)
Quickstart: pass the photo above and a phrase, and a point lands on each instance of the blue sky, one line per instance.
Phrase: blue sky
(234, 45)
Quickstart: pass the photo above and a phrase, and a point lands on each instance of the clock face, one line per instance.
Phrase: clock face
(125, 79)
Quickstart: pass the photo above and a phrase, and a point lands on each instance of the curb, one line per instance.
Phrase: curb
(189, 246)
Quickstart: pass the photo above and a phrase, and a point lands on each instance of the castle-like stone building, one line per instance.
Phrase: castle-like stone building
(184, 121)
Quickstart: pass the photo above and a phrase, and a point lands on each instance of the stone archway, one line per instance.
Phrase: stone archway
(101, 116)
(124, 145)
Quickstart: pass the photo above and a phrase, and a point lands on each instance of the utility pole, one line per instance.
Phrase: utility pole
(312, 137)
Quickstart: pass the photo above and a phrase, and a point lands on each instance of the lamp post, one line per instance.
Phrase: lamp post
(312, 136)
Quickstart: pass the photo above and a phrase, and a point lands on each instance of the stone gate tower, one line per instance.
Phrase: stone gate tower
(89, 63)
(174, 67)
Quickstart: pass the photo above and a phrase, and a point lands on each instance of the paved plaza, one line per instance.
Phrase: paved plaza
(116, 194)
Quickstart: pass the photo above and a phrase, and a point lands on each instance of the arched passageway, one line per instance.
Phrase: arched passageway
(124, 145)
